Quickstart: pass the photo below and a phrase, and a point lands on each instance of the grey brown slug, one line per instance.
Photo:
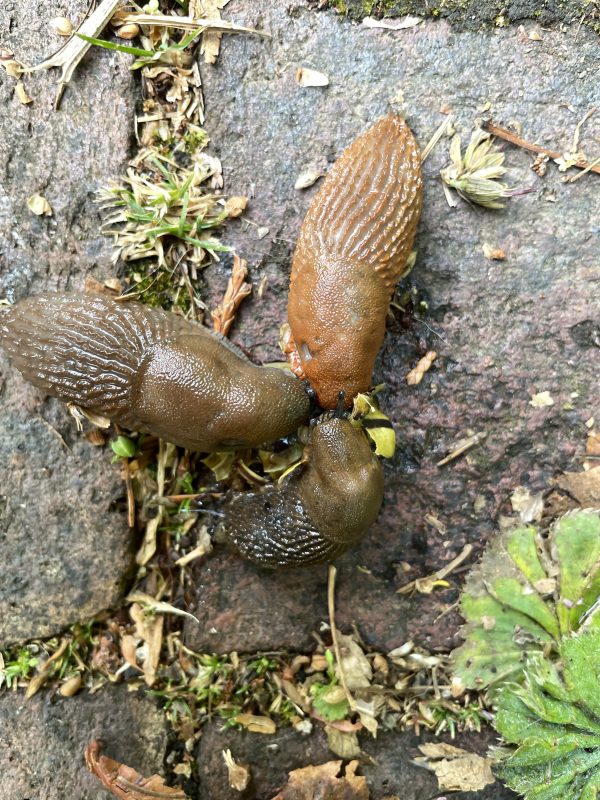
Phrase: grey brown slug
(322, 510)
(150, 371)
(352, 249)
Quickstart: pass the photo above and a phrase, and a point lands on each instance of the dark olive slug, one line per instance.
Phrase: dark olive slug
(351, 251)
(322, 510)
(150, 371)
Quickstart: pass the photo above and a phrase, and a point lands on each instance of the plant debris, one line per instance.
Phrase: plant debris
(237, 289)
(39, 206)
(311, 77)
(328, 780)
(475, 175)
(512, 138)
(456, 769)
(125, 782)
(394, 24)
(462, 446)
(417, 373)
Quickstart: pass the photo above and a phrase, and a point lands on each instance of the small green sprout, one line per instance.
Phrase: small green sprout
(123, 447)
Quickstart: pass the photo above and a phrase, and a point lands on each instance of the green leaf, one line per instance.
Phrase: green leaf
(554, 719)
(123, 447)
(524, 595)
(329, 701)
(121, 48)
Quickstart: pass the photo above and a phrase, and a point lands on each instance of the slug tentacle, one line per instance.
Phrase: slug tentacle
(150, 371)
(351, 251)
(323, 508)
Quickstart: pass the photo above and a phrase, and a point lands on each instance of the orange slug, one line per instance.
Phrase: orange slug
(324, 507)
(150, 371)
(351, 251)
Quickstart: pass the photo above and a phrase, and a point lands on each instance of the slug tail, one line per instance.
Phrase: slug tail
(271, 529)
(83, 349)
(369, 205)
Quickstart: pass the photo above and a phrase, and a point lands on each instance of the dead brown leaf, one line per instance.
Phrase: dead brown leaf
(150, 629)
(583, 486)
(125, 782)
(456, 769)
(592, 446)
(415, 376)
(322, 781)
(256, 724)
(224, 314)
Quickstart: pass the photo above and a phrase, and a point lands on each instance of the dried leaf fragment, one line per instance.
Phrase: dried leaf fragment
(396, 24)
(22, 95)
(328, 780)
(416, 375)
(39, 205)
(256, 724)
(62, 26)
(235, 206)
(541, 400)
(239, 774)
(456, 769)
(493, 253)
(305, 76)
(307, 178)
(583, 486)
(529, 507)
(124, 781)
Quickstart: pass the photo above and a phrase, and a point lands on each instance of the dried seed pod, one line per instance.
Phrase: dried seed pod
(150, 371)
(352, 248)
(62, 25)
(128, 31)
(324, 507)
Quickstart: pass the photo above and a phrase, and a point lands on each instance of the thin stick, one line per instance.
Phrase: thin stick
(589, 168)
(436, 137)
(463, 446)
(130, 495)
(334, 636)
(512, 138)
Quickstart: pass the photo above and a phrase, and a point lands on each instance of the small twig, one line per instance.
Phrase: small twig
(336, 644)
(440, 574)
(224, 314)
(464, 445)
(436, 137)
(512, 138)
(589, 168)
(130, 495)
(69, 56)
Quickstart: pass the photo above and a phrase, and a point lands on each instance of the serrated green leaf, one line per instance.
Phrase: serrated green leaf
(557, 732)
(577, 549)
(526, 593)
(522, 548)
(525, 599)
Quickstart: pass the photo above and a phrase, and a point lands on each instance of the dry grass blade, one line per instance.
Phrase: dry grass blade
(71, 53)
(224, 314)
(200, 24)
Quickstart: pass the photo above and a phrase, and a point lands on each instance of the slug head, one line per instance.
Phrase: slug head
(342, 487)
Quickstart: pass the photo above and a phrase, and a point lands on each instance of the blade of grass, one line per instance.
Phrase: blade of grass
(121, 48)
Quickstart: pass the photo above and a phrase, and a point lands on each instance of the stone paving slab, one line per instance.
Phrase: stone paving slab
(65, 550)
(503, 330)
(42, 742)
